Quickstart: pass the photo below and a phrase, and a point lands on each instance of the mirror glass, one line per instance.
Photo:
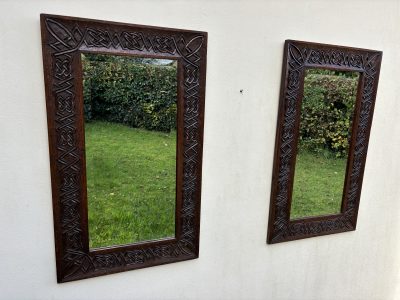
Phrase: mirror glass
(130, 108)
(324, 135)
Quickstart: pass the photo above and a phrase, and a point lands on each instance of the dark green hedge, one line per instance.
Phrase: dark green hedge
(131, 91)
(327, 111)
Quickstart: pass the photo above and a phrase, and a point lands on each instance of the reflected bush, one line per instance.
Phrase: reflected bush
(136, 92)
(327, 111)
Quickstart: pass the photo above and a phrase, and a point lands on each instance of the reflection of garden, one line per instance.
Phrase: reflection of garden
(130, 140)
(137, 92)
(325, 128)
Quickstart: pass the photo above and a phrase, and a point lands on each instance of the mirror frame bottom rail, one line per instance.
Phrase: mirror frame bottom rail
(63, 39)
(298, 56)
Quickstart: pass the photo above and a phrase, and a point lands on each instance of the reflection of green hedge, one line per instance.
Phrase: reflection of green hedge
(327, 111)
(121, 90)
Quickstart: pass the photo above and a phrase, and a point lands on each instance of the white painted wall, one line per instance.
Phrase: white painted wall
(245, 52)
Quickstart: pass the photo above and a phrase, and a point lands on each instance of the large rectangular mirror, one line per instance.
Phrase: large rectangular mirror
(130, 106)
(125, 110)
(326, 106)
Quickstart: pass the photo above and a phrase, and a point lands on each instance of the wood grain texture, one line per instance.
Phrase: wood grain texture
(63, 39)
(297, 57)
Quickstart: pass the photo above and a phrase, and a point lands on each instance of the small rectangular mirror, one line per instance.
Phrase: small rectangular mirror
(326, 119)
(130, 106)
(325, 114)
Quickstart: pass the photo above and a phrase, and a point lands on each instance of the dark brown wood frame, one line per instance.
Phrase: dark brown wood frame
(299, 56)
(63, 40)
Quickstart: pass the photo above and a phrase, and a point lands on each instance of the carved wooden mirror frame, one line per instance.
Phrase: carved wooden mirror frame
(299, 56)
(63, 40)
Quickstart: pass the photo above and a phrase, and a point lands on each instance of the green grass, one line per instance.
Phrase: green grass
(130, 184)
(318, 185)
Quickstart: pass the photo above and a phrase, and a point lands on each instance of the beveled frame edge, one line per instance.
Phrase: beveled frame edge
(63, 38)
(299, 55)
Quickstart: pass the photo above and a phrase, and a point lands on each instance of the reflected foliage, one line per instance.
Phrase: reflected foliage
(327, 111)
(138, 92)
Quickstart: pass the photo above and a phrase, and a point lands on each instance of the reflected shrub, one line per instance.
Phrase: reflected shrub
(133, 91)
(327, 111)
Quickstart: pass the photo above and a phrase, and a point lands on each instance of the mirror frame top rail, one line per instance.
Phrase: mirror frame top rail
(298, 56)
(63, 40)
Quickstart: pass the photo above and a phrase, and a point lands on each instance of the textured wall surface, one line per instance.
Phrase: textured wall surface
(245, 50)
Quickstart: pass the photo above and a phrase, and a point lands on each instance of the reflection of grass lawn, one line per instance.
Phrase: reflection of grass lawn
(130, 182)
(318, 185)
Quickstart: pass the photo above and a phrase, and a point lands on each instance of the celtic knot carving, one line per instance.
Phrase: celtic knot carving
(334, 57)
(63, 38)
(301, 55)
